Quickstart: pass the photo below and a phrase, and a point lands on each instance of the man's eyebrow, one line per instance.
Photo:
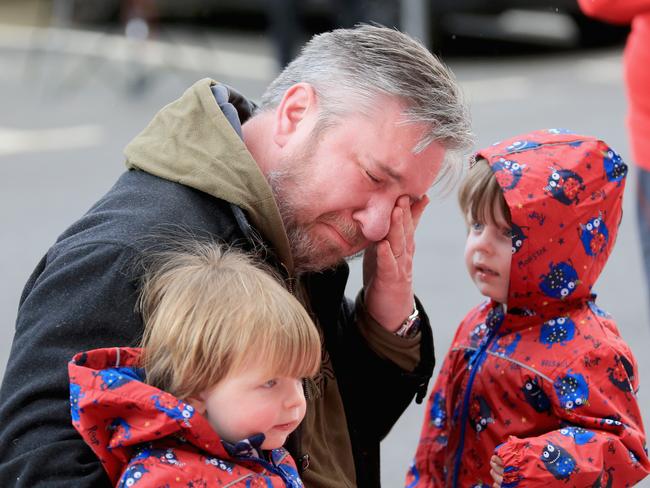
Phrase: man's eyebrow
(384, 168)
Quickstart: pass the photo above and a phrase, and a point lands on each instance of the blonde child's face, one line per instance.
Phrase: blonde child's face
(488, 253)
(250, 402)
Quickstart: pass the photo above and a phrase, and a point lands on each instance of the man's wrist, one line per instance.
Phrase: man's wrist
(411, 324)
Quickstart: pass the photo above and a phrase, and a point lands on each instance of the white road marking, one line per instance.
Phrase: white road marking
(15, 141)
(151, 53)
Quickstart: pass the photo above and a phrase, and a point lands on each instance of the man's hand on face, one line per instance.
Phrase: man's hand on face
(388, 266)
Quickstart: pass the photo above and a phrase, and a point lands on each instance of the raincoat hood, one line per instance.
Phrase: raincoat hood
(565, 195)
(197, 141)
(110, 402)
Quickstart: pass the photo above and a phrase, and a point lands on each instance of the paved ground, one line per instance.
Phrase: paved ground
(66, 117)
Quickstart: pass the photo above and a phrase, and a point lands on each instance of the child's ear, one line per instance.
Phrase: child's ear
(197, 402)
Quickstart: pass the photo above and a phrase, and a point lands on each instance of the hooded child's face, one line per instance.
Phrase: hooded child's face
(488, 253)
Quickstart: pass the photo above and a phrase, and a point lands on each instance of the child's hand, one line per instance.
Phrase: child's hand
(497, 471)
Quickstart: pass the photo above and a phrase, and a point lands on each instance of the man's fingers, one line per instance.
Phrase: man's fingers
(407, 224)
(369, 263)
(396, 236)
(386, 260)
(417, 209)
(404, 220)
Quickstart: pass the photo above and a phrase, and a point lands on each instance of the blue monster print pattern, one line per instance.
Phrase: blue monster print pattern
(560, 282)
(219, 463)
(622, 374)
(557, 331)
(438, 417)
(495, 317)
(478, 334)
(132, 475)
(558, 461)
(558, 131)
(615, 168)
(518, 238)
(75, 395)
(176, 410)
(505, 345)
(508, 173)
(572, 390)
(121, 431)
(594, 236)
(116, 377)
(535, 396)
(165, 456)
(438, 414)
(578, 434)
(521, 146)
(480, 415)
(511, 477)
(613, 419)
(564, 185)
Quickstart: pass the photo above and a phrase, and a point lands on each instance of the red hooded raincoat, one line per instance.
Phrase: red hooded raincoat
(546, 383)
(146, 437)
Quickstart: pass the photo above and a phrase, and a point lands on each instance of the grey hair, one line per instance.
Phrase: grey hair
(350, 69)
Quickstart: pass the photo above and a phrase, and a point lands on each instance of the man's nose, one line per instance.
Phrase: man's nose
(374, 220)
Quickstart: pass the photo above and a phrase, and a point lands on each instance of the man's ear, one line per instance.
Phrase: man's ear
(297, 106)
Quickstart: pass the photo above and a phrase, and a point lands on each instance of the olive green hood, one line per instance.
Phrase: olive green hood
(191, 142)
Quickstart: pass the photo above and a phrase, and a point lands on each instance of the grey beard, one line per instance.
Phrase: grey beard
(349, 259)
(303, 247)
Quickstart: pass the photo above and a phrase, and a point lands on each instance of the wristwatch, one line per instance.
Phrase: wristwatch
(411, 324)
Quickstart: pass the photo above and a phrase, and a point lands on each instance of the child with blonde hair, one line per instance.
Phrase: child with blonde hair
(538, 388)
(217, 386)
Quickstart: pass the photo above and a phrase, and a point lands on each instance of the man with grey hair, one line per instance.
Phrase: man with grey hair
(337, 160)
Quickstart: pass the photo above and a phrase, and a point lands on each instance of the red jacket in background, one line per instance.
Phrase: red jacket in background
(637, 66)
(146, 437)
(547, 383)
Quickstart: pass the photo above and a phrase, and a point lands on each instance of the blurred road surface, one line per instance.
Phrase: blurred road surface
(71, 103)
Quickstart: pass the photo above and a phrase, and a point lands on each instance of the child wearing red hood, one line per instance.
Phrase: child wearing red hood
(217, 387)
(538, 388)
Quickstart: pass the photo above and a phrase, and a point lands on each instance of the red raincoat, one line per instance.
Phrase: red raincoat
(146, 437)
(546, 383)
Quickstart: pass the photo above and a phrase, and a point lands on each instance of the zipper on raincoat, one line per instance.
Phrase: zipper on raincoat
(474, 364)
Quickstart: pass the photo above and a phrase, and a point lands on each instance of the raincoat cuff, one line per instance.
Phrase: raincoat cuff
(512, 453)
